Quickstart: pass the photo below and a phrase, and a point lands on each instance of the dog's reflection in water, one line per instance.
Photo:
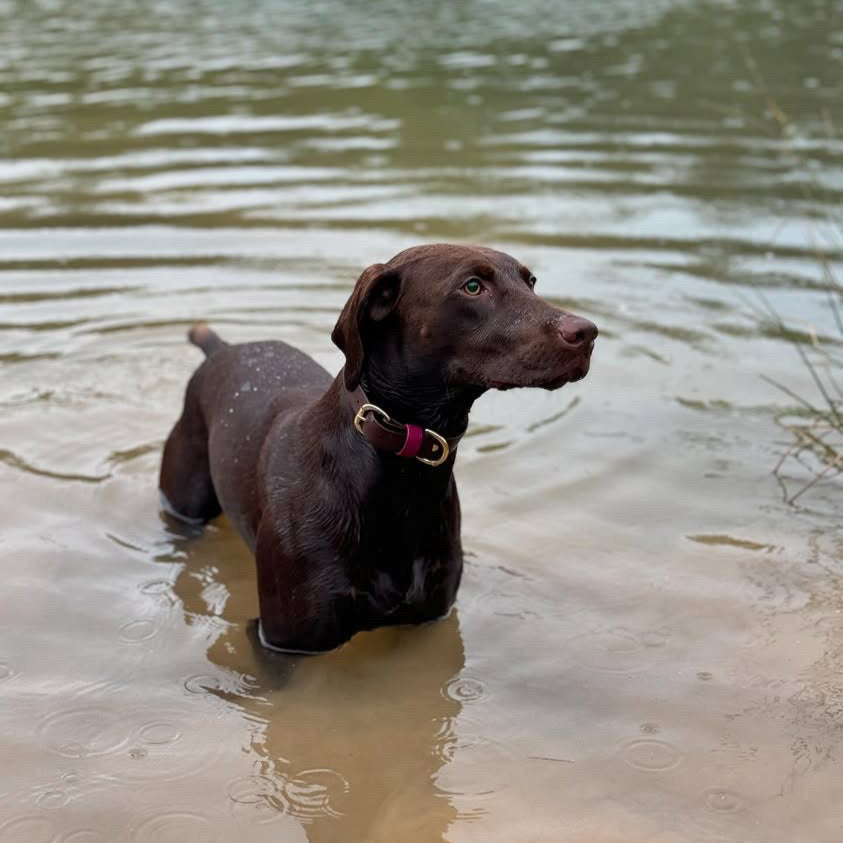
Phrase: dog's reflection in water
(349, 742)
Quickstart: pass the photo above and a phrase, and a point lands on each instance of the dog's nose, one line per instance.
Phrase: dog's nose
(577, 331)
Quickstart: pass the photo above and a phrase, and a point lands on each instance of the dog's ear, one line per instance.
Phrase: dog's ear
(372, 300)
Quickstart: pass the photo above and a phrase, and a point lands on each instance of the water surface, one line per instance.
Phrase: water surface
(648, 643)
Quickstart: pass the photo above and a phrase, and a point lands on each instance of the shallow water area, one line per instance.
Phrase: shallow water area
(648, 641)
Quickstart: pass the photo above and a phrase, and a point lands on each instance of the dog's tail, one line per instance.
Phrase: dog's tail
(200, 334)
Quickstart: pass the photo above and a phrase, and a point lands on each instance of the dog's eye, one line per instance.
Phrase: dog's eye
(532, 281)
(473, 287)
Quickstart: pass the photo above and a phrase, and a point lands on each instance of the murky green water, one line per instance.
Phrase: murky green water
(648, 644)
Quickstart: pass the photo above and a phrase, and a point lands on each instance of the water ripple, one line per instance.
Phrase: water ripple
(30, 829)
(175, 827)
(311, 794)
(476, 765)
(465, 689)
(84, 835)
(651, 756)
(83, 732)
(14, 461)
(722, 801)
(136, 632)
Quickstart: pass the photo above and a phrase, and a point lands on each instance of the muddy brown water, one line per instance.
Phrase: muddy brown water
(648, 644)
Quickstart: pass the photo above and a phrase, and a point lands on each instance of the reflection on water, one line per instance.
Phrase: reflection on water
(360, 735)
(647, 642)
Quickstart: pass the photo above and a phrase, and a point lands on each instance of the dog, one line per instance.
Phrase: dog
(343, 487)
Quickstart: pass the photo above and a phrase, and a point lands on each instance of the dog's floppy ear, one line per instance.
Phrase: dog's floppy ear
(373, 299)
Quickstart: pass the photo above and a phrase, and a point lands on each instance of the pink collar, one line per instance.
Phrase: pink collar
(403, 440)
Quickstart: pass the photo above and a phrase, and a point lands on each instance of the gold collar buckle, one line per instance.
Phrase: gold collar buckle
(443, 444)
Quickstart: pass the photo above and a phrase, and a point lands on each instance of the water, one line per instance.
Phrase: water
(648, 643)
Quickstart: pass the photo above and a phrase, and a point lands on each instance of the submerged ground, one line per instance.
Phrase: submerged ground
(648, 644)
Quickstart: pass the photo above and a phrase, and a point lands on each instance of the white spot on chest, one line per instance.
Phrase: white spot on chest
(416, 590)
(388, 589)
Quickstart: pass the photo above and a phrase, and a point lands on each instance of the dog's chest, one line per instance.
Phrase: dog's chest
(407, 553)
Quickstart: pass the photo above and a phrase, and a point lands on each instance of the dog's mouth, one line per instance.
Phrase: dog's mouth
(575, 371)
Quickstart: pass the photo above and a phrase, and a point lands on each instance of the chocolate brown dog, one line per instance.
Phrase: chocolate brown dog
(343, 488)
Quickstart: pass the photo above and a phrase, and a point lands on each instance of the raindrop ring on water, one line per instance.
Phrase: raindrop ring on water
(29, 829)
(310, 793)
(157, 587)
(256, 798)
(159, 733)
(723, 801)
(176, 827)
(250, 790)
(83, 732)
(465, 689)
(611, 651)
(651, 756)
(84, 835)
(135, 632)
(201, 683)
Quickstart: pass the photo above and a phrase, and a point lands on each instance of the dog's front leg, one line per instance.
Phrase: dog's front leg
(303, 609)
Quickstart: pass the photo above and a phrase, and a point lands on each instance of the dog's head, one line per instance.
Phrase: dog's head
(465, 316)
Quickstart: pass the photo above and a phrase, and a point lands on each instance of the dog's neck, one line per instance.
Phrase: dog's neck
(415, 399)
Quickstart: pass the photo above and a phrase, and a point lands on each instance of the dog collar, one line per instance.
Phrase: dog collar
(403, 440)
